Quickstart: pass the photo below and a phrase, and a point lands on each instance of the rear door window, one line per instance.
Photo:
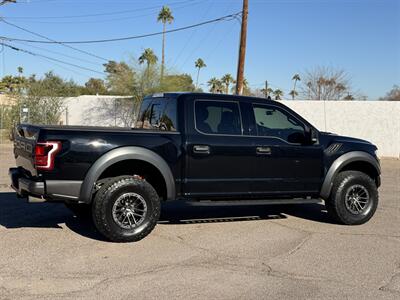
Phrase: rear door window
(218, 117)
(158, 114)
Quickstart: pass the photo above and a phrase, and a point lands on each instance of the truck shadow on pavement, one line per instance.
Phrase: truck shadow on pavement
(17, 213)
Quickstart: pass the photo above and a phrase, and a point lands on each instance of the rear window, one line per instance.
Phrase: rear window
(158, 114)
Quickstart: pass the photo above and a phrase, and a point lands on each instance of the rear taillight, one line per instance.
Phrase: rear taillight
(45, 154)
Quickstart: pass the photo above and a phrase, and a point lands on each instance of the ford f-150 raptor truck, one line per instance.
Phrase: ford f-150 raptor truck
(194, 146)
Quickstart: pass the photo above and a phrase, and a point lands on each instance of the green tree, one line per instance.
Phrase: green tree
(95, 86)
(227, 79)
(199, 64)
(215, 85)
(278, 94)
(121, 79)
(294, 93)
(177, 82)
(164, 16)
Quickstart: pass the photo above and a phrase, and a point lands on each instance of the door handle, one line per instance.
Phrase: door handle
(201, 149)
(263, 150)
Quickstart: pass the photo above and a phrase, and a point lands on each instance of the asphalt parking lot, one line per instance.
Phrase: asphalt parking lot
(204, 252)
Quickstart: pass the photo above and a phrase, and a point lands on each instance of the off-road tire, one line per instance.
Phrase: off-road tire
(108, 194)
(336, 206)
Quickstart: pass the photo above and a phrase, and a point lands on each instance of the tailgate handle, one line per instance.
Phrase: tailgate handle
(263, 150)
(201, 149)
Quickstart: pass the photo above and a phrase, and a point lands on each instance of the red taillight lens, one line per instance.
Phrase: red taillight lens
(45, 154)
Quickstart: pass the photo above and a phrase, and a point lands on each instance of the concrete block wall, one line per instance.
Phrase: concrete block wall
(375, 121)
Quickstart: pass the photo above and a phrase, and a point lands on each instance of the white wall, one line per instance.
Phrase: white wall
(91, 111)
(375, 121)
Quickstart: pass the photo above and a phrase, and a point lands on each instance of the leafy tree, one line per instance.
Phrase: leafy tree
(227, 79)
(215, 85)
(95, 86)
(120, 78)
(164, 16)
(278, 94)
(179, 82)
(293, 92)
(199, 64)
(393, 94)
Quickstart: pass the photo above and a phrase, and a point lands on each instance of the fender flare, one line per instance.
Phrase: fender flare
(341, 162)
(126, 153)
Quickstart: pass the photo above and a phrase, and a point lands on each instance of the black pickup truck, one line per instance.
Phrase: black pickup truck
(194, 146)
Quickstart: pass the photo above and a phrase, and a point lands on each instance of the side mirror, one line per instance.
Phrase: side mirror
(311, 135)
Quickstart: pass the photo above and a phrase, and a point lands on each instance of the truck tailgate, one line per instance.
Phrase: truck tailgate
(25, 138)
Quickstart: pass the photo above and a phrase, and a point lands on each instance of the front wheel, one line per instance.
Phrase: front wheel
(353, 199)
(126, 209)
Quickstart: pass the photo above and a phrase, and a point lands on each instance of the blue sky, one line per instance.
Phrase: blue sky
(284, 37)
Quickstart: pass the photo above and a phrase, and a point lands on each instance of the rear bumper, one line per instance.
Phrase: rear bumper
(25, 186)
(49, 190)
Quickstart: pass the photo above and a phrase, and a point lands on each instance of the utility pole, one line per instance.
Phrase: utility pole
(266, 89)
(242, 49)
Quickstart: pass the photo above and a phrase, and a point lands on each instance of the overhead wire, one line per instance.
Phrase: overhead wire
(49, 58)
(155, 11)
(191, 36)
(120, 12)
(50, 41)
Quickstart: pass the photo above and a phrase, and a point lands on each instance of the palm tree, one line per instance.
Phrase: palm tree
(278, 94)
(199, 63)
(227, 79)
(295, 78)
(149, 58)
(293, 93)
(215, 85)
(267, 92)
(20, 71)
(309, 85)
(165, 15)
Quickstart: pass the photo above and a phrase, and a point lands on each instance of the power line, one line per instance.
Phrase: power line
(224, 18)
(49, 58)
(120, 12)
(49, 40)
(105, 20)
(58, 53)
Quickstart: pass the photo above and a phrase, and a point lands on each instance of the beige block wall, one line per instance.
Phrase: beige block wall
(375, 121)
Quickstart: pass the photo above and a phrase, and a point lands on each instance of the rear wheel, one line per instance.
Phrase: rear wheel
(354, 198)
(126, 209)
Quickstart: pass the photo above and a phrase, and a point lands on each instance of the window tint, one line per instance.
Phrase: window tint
(158, 114)
(215, 117)
(275, 122)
